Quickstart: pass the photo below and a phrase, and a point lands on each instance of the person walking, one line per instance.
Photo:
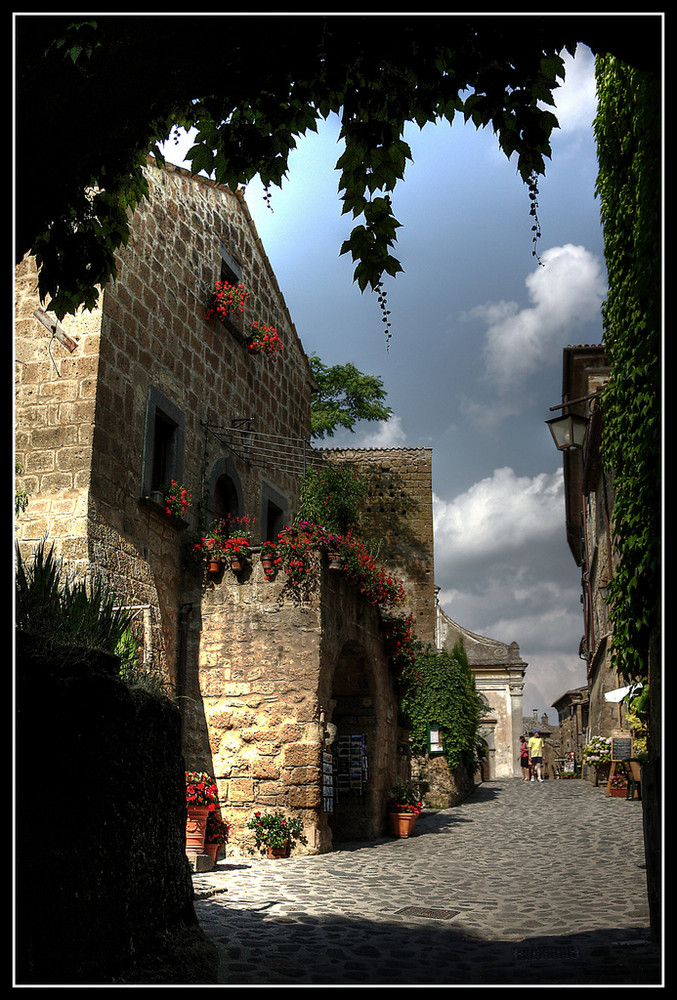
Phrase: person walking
(536, 755)
(524, 758)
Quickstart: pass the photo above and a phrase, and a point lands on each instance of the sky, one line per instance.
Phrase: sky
(474, 361)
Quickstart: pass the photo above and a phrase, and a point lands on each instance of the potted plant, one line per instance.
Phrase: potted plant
(264, 340)
(597, 754)
(332, 544)
(217, 834)
(225, 300)
(213, 546)
(177, 500)
(275, 833)
(268, 554)
(618, 786)
(238, 542)
(295, 555)
(404, 808)
(202, 798)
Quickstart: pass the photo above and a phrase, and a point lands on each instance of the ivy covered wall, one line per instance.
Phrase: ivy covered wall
(628, 134)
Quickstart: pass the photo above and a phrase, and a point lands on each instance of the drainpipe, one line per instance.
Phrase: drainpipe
(591, 611)
(182, 654)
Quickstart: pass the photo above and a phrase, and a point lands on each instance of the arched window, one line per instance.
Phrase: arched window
(225, 499)
(225, 492)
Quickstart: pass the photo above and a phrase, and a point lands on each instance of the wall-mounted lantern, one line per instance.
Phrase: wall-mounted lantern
(568, 431)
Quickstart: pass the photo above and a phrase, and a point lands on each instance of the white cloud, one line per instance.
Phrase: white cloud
(504, 571)
(566, 292)
(576, 99)
(388, 434)
(498, 515)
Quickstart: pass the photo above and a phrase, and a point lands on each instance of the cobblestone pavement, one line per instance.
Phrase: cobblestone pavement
(522, 884)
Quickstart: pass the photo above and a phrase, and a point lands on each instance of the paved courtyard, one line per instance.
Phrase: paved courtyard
(521, 884)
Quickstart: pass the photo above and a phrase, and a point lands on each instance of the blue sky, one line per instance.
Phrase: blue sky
(475, 357)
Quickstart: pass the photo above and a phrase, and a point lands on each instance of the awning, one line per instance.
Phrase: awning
(620, 693)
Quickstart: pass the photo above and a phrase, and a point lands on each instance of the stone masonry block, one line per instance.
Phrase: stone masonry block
(240, 790)
(307, 797)
(302, 755)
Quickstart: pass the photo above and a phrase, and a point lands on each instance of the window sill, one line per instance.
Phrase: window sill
(154, 505)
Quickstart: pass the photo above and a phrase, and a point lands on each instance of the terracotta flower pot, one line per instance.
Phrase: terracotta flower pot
(196, 827)
(214, 566)
(402, 823)
(278, 852)
(212, 850)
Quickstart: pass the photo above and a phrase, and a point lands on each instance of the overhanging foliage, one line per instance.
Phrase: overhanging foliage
(251, 85)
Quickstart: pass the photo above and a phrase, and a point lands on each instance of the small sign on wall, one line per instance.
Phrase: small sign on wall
(435, 743)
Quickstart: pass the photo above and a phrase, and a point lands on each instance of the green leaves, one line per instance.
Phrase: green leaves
(249, 101)
(442, 691)
(344, 395)
(55, 607)
(629, 189)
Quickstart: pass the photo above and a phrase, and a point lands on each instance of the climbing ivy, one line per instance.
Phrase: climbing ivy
(628, 134)
(441, 690)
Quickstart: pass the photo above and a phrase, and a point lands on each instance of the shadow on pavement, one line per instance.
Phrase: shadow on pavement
(259, 948)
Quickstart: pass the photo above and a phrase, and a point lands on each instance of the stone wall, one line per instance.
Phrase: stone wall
(441, 786)
(55, 399)
(398, 516)
(101, 871)
(85, 417)
(273, 679)
(253, 677)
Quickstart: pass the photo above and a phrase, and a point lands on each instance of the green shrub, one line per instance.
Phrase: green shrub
(56, 608)
(442, 690)
(332, 497)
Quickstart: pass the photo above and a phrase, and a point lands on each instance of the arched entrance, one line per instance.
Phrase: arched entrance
(362, 755)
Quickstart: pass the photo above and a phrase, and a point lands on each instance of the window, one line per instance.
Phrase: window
(225, 499)
(273, 512)
(274, 521)
(164, 443)
(231, 271)
(225, 491)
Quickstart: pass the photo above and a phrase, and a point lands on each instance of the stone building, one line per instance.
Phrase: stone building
(499, 671)
(398, 518)
(113, 404)
(572, 712)
(588, 491)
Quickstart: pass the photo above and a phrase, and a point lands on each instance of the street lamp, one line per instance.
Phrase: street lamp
(246, 430)
(568, 431)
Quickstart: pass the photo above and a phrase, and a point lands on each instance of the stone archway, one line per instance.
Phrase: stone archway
(362, 752)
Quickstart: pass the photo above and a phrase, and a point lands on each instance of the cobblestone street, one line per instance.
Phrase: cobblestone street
(521, 884)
